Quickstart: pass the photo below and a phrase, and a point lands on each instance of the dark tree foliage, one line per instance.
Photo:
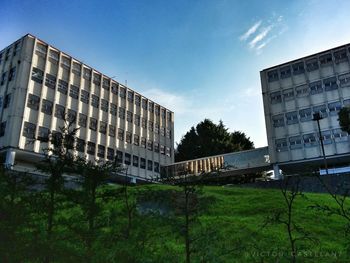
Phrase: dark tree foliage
(344, 119)
(208, 138)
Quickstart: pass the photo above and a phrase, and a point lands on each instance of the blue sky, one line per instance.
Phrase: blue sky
(201, 59)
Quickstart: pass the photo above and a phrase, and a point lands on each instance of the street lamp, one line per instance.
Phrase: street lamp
(317, 117)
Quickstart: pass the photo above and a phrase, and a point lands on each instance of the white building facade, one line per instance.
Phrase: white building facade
(40, 84)
(292, 93)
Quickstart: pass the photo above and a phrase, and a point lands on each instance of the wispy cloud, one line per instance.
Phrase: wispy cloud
(258, 38)
(250, 31)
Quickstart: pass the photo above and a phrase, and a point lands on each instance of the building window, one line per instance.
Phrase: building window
(340, 135)
(302, 91)
(121, 113)
(168, 133)
(288, 94)
(276, 97)
(53, 56)
(103, 127)
(76, 69)
(168, 151)
(59, 111)
(143, 163)
(93, 124)
(33, 102)
(7, 101)
(104, 105)
(322, 109)
(129, 116)
(143, 142)
(71, 116)
(43, 134)
(84, 96)
(162, 149)
(278, 120)
(330, 84)
(144, 104)
(113, 109)
(74, 92)
(16, 48)
(50, 81)
(151, 107)
(3, 78)
(82, 120)
(12, 74)
(272, 76)
(334, 108)
(80, 145)
(326, 59)
(144, 123)
(115, 88)
(128, 137)
(164, 114)
(344, 80)
(285, 72)
(135, 161)
(315, 87)
(37, 75)
(156, 128)
(110, 154)
(340, 56)
(136, 139)
(46, 107)
(119, 157)
(312, 64)
(101, 151)
(97, 79)
(95, 101)
(345, 102)
(149, 165)
(91, 148)
(305, 115)
(156, 167)
(309, 140)
(87, 73)
(105, 83)
(298, 68)
(169, 114)
(326, 137)
(2, 128)
(292, 117)
(137, 100)
(281, 145)
(62, 86)
(29, 130)
(127, 159)
(137, 120)
(156, 147)
(65, 62)
(7, 54)
(121, 134)
(295, 142)
(150, 145)
(111, 130)
(150, 126)
(40, 49)
(130, 96)
(162, 131)
(122, 92)
(157, 110)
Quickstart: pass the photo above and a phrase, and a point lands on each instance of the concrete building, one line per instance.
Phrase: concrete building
(292, 92)
(40, 84)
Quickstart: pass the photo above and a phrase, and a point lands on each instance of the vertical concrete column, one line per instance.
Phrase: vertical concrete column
(204, 163)
(190, 167)
(10, 159)
(195, 167)
(208, 165)
(276, 172)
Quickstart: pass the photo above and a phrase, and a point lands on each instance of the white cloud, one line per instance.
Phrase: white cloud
(263, 33)
(250, 31)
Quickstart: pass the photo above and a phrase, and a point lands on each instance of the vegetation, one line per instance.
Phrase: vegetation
(208, 138)
(344, 119)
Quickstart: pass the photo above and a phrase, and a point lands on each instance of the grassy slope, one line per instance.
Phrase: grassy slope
(231, 227)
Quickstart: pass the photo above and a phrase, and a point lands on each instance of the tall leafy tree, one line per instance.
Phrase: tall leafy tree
(208, 138)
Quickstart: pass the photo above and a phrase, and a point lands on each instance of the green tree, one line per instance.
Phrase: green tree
(208, 138)
(344, 119)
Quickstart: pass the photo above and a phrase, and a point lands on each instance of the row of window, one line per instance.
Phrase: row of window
(62, 87)
(5, 55)
(97, 79)
(309, 65)
(313, 88)
(10, 75)
(47, 108)
(293, 117)
(29, 130)
(310, 140)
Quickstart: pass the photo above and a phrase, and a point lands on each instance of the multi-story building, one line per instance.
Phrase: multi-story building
(292, 93)
(40, 85)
